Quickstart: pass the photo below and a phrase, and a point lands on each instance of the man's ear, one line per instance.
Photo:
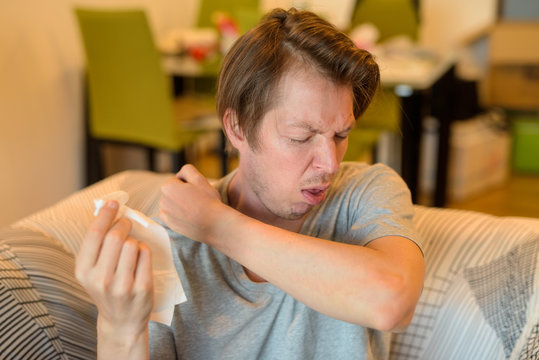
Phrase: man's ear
(232, 128)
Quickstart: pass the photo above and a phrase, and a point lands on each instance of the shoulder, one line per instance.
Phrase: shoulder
(359, 170)
(365, 202)
(356, 176)
(373, 201)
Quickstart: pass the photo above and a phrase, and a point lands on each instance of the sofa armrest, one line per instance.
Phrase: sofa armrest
(68, 220)
(43, 305)
(480, 293)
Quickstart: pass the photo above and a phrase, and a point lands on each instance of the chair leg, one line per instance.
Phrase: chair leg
(150, 153)
(178, 160)
(94, 166)
(94, 162)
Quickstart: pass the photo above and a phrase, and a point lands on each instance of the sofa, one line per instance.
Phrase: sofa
(479, 301)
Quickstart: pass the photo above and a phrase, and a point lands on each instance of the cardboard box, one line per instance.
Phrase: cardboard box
(513, 74)
(479, 158)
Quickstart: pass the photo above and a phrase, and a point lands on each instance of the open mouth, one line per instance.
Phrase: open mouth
(314, 195)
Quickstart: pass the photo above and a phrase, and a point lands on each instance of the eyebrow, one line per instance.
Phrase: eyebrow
(308, 127)
(303, 125)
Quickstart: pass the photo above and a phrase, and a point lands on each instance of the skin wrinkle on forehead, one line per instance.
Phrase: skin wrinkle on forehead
(298, 65)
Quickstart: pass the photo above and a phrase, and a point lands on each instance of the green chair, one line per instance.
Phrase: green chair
(130, 98)
(245, 12)
(392, 18)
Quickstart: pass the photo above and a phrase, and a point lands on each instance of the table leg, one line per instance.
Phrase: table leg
(443, 108)
(411, 127)
(438, 102)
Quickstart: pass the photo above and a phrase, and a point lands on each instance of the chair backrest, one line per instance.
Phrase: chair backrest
(391, 17)
(245, 12)
(130, 97)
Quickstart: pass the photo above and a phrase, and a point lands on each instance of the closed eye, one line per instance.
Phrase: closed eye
(300, 141)
(341, 136)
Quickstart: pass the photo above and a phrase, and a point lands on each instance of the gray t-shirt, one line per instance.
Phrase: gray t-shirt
(227, 316)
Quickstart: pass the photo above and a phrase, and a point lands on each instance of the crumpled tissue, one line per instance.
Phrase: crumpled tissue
(168, 290)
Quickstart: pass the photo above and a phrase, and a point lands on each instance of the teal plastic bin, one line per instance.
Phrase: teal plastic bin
(526, 145)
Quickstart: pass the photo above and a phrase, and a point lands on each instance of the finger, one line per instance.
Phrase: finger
(93, 240)
(127, 264)
(171, 188)
(183, 169)
(112, 246)
(143, 272)
(189, 173)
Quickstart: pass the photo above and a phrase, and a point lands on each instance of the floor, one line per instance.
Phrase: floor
(519, 196)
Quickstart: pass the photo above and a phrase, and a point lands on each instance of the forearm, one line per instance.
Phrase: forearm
(347, 282)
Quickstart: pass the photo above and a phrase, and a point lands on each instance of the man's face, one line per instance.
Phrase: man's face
(302, 141)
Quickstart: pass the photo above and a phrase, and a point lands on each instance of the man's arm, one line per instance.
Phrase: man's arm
(375, 286)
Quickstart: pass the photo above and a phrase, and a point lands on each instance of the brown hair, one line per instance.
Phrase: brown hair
(256, 62)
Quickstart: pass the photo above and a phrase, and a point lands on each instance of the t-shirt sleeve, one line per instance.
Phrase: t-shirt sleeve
(379, 205)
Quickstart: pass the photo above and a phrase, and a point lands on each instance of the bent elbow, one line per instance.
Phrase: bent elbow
(394, 321)
(395, 311)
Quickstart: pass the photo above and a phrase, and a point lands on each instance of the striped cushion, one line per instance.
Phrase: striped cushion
(49, 273)
(530, 350)
(502, 290)
(450, 321)
(26, 328)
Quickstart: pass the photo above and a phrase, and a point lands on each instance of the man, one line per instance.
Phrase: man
(291, 256)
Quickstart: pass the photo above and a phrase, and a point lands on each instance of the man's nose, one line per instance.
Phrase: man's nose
(326, 157)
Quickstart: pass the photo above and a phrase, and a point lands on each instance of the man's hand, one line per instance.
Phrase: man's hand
(116, 271)
(189, 204)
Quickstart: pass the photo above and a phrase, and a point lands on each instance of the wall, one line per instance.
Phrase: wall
(445, 24)
(41, 66)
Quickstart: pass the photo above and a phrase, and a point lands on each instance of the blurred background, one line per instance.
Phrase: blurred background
(485, 139)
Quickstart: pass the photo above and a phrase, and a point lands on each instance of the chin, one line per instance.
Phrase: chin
(297, 214)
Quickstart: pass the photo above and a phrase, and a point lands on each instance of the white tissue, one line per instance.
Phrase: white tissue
(168, 290)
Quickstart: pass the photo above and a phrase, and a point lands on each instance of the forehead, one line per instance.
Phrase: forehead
(304, 95)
